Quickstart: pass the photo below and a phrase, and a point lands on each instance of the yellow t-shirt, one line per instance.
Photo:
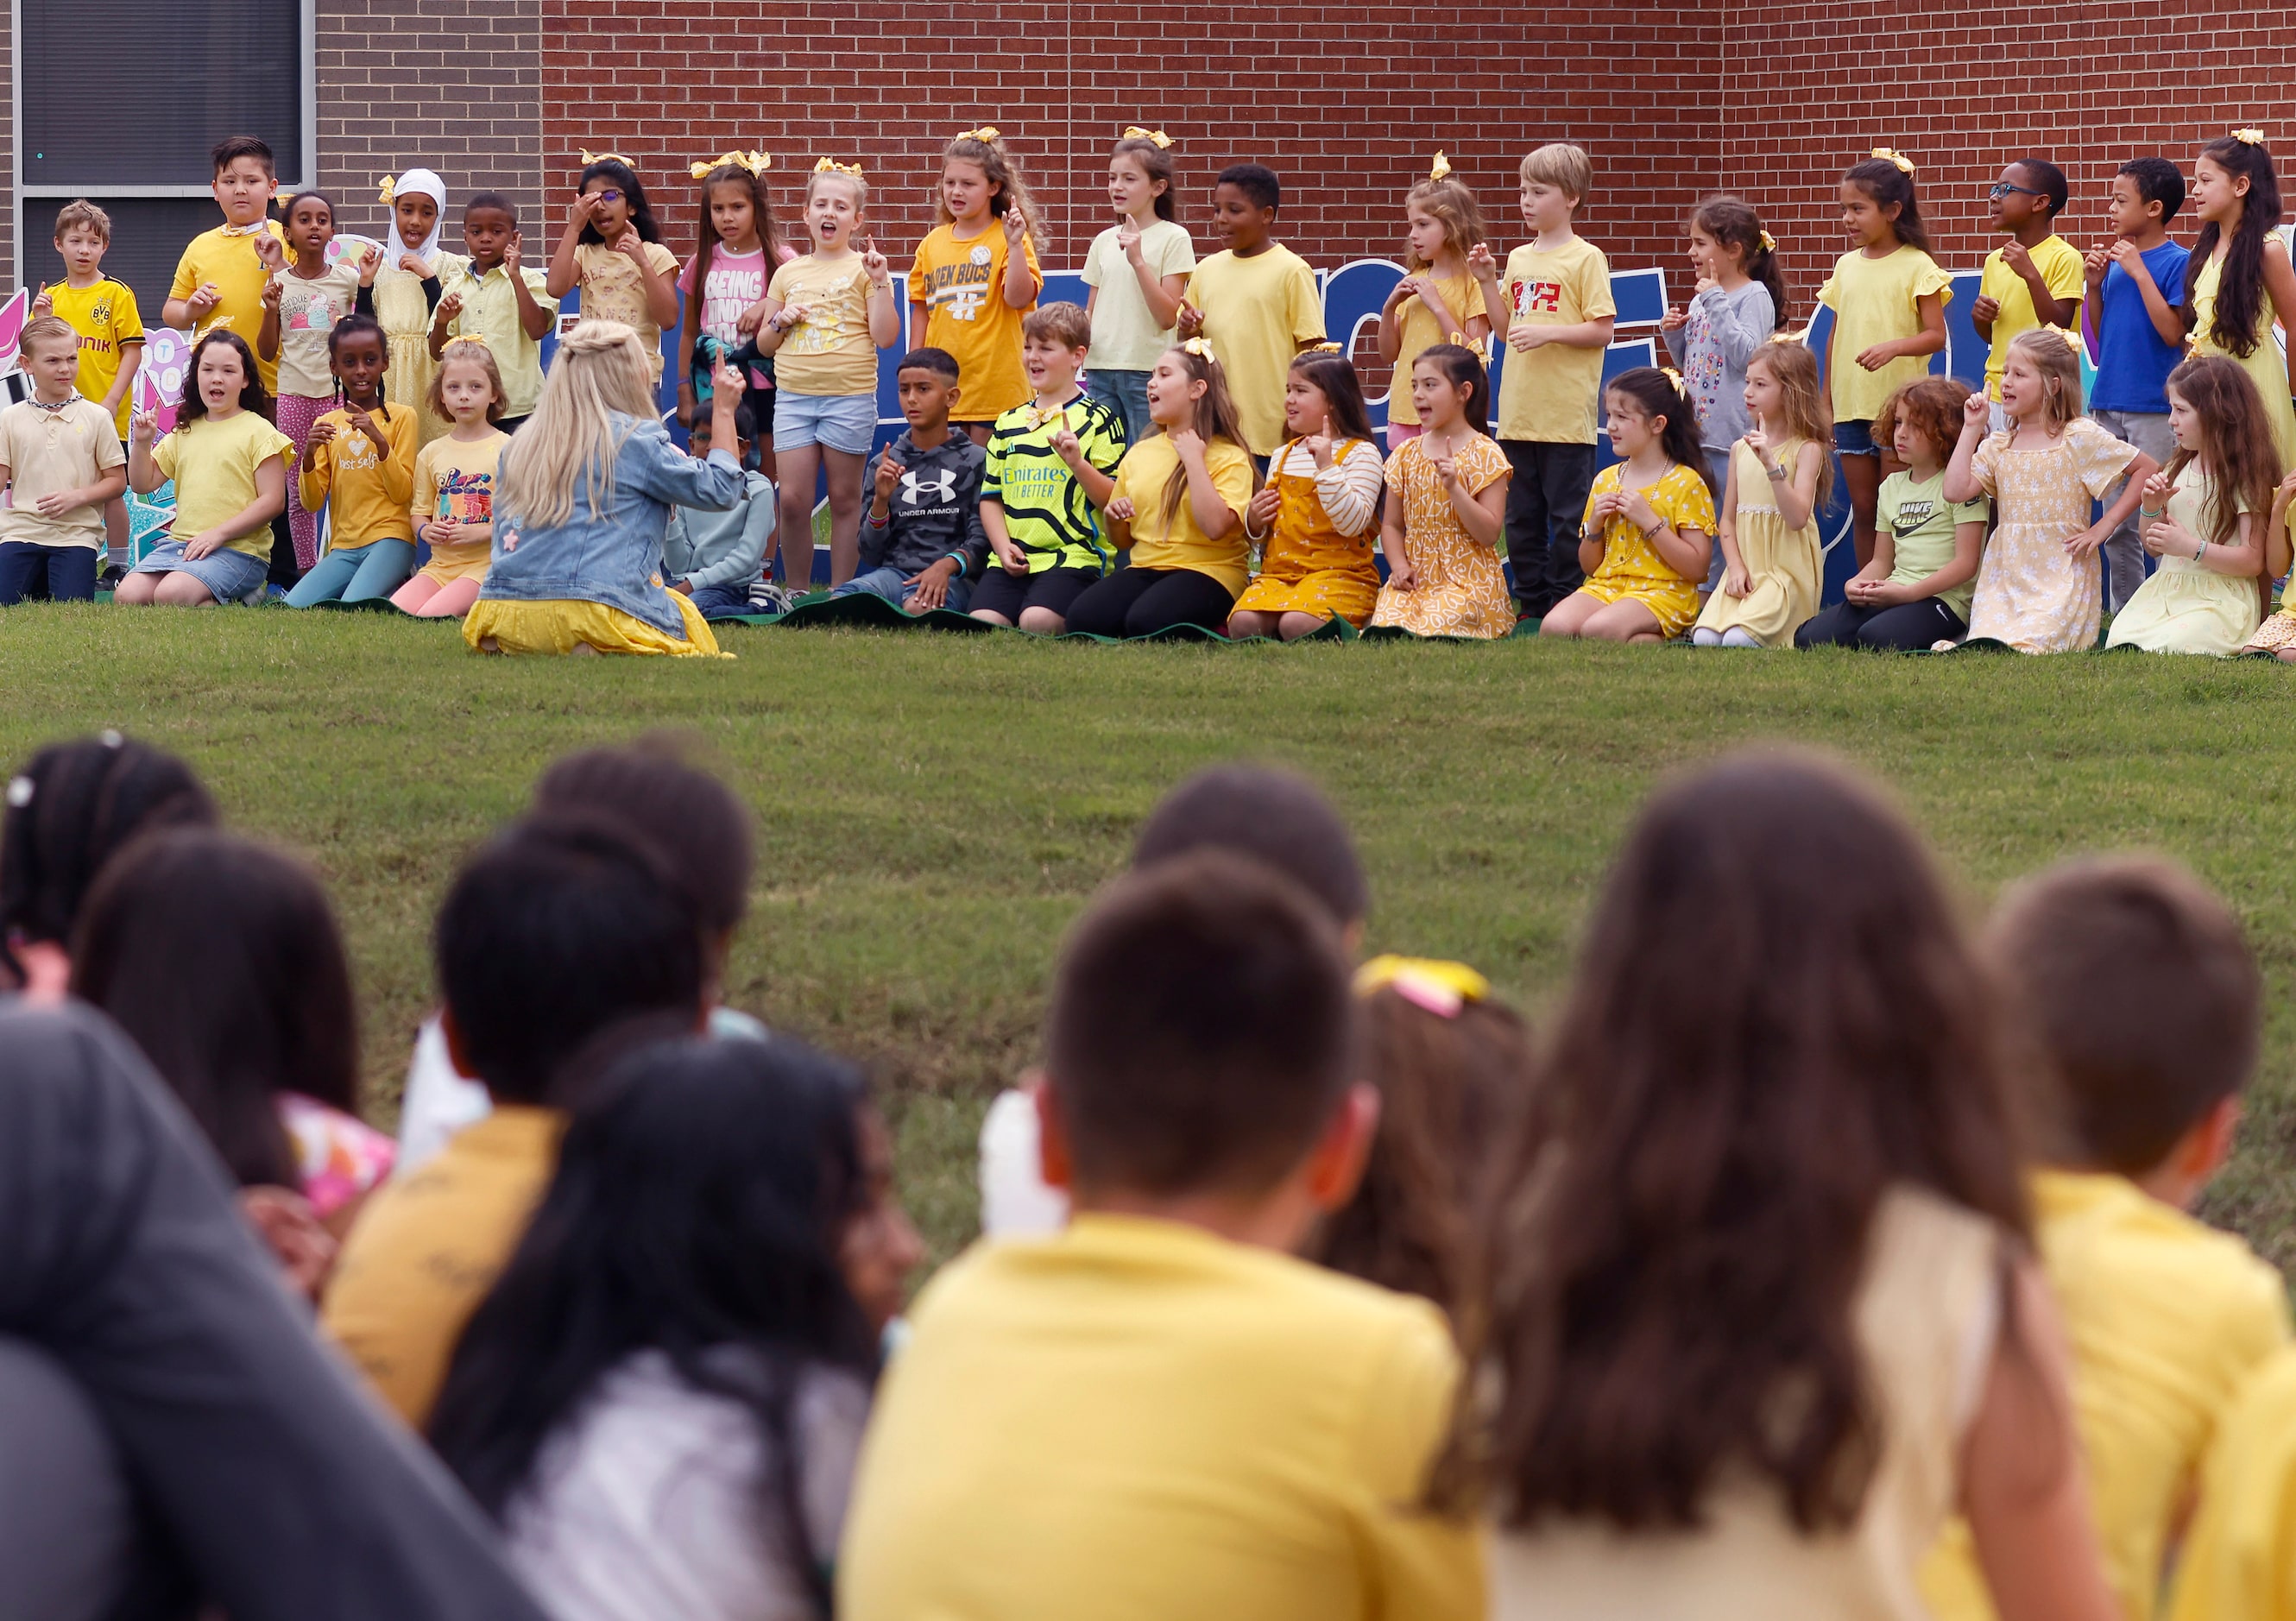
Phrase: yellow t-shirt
(1177, 541)
(2168, 1319)
(1680, 496)
(2064, 272)
(427, 1247)
(1875, 301)
(1125, 337)
(1136, 1420)
(1552, 395)
(830, 353)
(365, 492)
(490, 311)
(455, 480)
(47, 452)
(213, 463)
(1259, 312)
(104, 315)
(1421, 331)
(2238, 1562)
(961, 284)
(230, 263)
(612, 289)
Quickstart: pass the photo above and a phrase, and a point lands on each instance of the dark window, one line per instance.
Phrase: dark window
(148, 236)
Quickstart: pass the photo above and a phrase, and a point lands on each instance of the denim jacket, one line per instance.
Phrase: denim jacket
(614, 557)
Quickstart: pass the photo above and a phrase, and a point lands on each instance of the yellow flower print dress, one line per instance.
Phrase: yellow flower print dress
(2031, 592)
(1632, 570)
(1461, 590)
(1787, 566)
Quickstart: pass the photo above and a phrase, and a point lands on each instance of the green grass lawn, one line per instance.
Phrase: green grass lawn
(933, 810)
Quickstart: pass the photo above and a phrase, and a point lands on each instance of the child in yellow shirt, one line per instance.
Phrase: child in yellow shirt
(360, 466)
(976, 274)
(2034, 279)
(2145, 1006)
(1255, 302)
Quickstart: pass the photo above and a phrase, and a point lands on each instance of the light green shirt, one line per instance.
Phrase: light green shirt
(490, 311)
(1921, 522)
(1125, 337)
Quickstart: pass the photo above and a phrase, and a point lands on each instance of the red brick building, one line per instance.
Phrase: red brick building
(1347, 102)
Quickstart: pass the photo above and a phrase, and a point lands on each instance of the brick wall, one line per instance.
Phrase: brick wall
(1336, 98)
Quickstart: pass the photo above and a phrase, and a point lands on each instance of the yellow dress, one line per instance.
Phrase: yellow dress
(2031, 592)
(562, 626)
(2265, 364)
(2185, 608)
(2239, 1560)
(1461, 590)
(1632, 570)
(1787, 566)
(1310, 565)
(405, 316)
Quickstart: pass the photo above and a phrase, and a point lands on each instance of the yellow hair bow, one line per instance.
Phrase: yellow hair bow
(831, 166)
(1133, 132)
(2249, 137)
(984, 135)
(757, 163)
(1905, 164)
(285, 194)
(390, 190)
(1326, 348)
(1675, 378)
(475, 337)
(588, 157)
(1200, 350)
(1441, 170)
(1769, 242)
(1459, 339)
(1441, 988)
(1785, 337)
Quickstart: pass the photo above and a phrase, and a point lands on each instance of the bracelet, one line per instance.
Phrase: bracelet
(2150, 511)
(2201, 553)
(1653, 529)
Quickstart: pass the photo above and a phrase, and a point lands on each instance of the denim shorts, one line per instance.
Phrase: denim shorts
(230, 576)
(1855, 440)
(842, 422)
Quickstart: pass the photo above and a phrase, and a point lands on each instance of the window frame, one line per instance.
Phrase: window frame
(26, 198)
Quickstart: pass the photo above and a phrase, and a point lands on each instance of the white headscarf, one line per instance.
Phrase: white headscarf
(429, 184)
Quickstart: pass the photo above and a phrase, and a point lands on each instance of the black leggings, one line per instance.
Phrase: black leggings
(1142, 601)
(1913, 629)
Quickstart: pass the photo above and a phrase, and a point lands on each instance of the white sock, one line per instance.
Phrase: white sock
(1737, 637)
(1703, 638)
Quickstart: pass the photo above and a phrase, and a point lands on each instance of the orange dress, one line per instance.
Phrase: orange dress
(1461, 590)
(1311, 565)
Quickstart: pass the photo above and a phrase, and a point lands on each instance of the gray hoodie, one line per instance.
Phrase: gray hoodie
(705, 549)
(934, 513)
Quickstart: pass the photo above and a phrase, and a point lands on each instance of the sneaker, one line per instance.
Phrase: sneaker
(766, 597)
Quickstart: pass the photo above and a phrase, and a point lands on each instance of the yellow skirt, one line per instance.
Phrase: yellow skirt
(562, 626)
(1344, 594)
(1675, 606)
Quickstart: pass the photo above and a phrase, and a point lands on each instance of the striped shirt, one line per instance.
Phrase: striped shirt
(1046, 512)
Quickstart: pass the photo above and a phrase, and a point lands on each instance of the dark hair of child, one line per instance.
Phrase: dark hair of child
(71, 809)
(251, 396)
(2047, 179)
(1886, 183)
(1463, 368)
(745, 424)
(496, 200)
(2142, 997)
(222, 961)
(927, 358)
(1333, 376)
(702, 1196)
(1200, 1032)
(358, 323)
(1156, 163)
(1257, 182)
(1732, 221)
(1276, 818)
(761, 210)
(691, 821)
(232, 148)
(625, 180)
(1654, 395)
(2160, 181)
(2240, 291)
(1775, 1019)
(559, 927)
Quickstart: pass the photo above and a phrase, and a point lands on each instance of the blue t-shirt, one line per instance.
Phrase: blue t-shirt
(2133, 365)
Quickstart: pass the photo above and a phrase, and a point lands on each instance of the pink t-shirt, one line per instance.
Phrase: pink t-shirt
(736, 281)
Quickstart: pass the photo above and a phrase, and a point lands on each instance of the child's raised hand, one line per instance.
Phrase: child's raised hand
(2158, 488)
(1976, 412)
(750, 320)
(411, 262)
(1638, 509)
(1265, 504)
(873, 263)
(1319, 446)
(729, 383)
(141, 426)
(2127, 256)
(510, 253)
(43, 306)
(370, 262)
(631, 246)
(1188, 445)
(202, 301)
(1120, 510)
(1447, 468)
(271, 291)
(1674, 319)
(889, 476)
(2017, 257)
(1480, 265)
(2095, 260)
(2286, 492)
(449, 307)
(791, 316)
(1755, 440)
(1128, 239)
(1016, 225)
(1607, 506)
(584, 212)
(365, 422)
(1191, 321)
(1065, 444)
(1703, 283)
(1985, 310)
(268, 251)
(322, 433)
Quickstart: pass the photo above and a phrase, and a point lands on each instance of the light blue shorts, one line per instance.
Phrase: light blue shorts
(230, 576)
(842, 422)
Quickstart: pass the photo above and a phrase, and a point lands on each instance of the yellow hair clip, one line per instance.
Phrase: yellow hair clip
(1459, 339)
(588, 157)
(1905, 164)
(1440, 988)
(986, 134)
(1325, 347)
(1675, 378)
(474, 337)
(757, 163)
(1133, 132)
(1441, 170)
(1200, 350)
(1785, 337)
(1769, 242)
(285, 194)
(390, 190)
(831, 166)
(2249, 137)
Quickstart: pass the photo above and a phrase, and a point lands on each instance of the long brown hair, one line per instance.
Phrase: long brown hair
(1732, 220)
(2238, 311)
(1215, 419)
(1006, 189)
(1776, 1018)
(1808, 417)
(2237, 452)
(1452, 203)
(761, 208)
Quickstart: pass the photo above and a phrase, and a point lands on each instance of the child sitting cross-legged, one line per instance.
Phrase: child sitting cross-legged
(716, 557)
(360, 466)
(1162, 1405)
(454, 505)
(921, 541)
(2143, 1003)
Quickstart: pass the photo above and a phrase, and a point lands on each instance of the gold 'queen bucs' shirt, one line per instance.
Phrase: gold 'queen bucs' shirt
(961, 284)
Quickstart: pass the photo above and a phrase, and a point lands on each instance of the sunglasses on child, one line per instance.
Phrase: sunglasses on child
(2002, 188)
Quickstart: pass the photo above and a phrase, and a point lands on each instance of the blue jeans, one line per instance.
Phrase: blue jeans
(897, 588)
(723, 601)
(356, 573)
(1126, 393)
(68, 573)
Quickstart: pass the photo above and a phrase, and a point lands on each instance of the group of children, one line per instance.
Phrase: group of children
(1189, 449)
(1818, 1256)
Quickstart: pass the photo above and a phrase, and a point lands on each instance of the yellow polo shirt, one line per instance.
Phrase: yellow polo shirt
(490, 311)
(230, 263)
(1138, 1421)
(104, 314)
(428, 1249)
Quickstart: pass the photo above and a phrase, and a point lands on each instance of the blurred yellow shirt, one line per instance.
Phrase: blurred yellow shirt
(2239, 1563)
(2167, 1317)
(1138, 1421)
